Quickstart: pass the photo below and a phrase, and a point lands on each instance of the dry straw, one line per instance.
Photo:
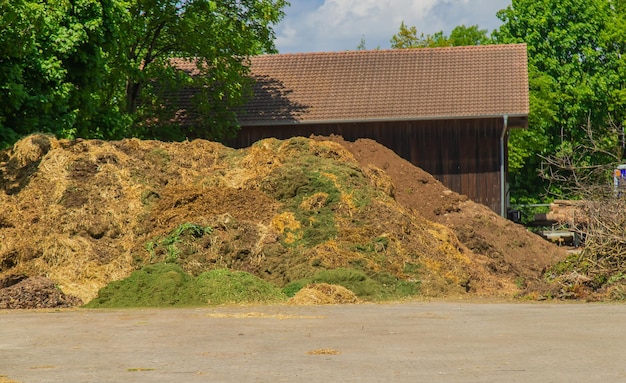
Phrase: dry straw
(323, 294)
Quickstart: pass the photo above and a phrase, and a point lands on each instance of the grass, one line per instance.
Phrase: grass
(176, 242)
(571, 263)
(380, 286)
(377, 245)
(226, 286)
(167, 285)
(158, 285)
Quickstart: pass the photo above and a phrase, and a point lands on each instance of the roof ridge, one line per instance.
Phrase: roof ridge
(399, 50)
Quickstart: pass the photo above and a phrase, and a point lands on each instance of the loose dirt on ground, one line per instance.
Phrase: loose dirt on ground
(77, 215)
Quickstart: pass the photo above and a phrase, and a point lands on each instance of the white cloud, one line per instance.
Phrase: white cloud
(331, 25)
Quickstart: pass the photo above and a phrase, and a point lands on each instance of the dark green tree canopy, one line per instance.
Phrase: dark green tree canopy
(52, 64)
(567, 43)
(101, 68)
(575, 52)
(216, 35)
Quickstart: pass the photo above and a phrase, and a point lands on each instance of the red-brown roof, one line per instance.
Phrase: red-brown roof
(403, 84)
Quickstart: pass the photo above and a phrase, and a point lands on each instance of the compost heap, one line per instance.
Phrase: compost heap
(80, 214)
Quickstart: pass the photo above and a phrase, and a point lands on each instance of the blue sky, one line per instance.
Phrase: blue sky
(336, 25)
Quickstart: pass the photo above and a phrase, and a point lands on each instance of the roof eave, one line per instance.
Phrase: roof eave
(516, 120)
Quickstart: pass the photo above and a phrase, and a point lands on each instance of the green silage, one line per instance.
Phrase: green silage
(167, 285)
(379, 286)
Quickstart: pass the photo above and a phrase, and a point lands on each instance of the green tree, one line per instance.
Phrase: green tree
(528, 146)
(105, 68)
(362, 46)
(461, 35)
(405, 38)
(216, 37)
(574, 64)
(52, 64)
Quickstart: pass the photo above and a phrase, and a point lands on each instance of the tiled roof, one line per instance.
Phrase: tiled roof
(403, 84)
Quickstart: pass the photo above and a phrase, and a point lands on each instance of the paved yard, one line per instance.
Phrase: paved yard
(408, 342)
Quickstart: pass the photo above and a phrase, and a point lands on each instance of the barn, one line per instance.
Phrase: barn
(447, 110)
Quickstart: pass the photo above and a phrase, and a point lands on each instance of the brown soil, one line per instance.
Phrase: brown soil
(508, 249)
(85, 213)
(34, 292)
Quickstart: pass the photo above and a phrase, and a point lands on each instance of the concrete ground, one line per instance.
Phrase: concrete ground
(406, 342)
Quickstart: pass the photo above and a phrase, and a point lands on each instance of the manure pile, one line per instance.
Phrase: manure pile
(85, 213)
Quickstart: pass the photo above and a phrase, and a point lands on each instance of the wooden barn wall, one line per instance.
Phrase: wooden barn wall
(463, 154)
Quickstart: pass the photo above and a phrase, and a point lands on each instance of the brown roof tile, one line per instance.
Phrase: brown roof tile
(403, 84)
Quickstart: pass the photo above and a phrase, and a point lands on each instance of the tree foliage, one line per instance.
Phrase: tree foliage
(463, 36)
(576, 129)
(575, 58)
(52, 64)
(216, 37)
(460, 36)
(104, 68)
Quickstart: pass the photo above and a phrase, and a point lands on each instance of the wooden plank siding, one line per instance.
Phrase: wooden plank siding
(464, 154)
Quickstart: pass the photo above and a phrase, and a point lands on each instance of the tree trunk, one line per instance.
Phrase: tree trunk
(132, 96)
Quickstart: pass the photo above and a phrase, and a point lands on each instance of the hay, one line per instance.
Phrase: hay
(32, 149)
(280, 210)
(323, 351)
(286, 223)
(5, 379)
(323, 294)
(381, 180)
(314, 202)
(332, 150)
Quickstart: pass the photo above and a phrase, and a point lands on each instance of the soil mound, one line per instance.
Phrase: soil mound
(507, 249)
(34, 293)
(86, 213)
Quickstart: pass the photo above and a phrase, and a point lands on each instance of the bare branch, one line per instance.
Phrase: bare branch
(586, 172)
